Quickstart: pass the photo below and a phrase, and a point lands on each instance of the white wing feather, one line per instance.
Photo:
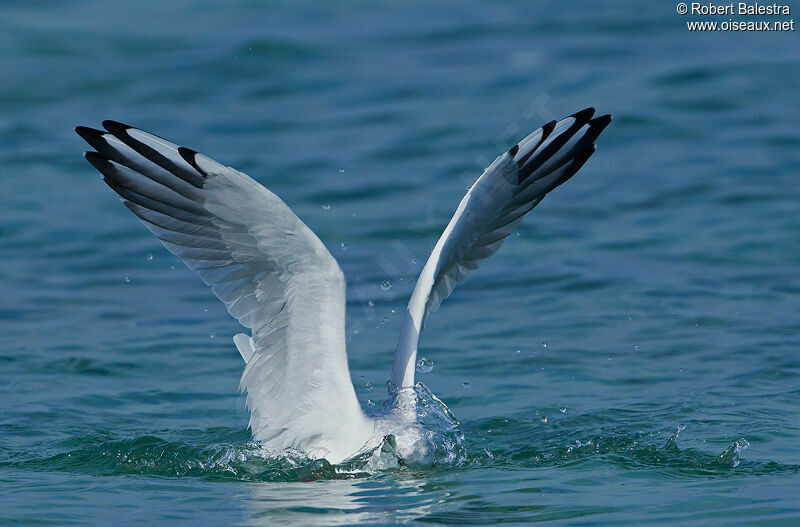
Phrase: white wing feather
(490, 211)
(273, 274)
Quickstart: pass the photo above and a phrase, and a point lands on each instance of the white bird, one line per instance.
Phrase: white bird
(278, 279)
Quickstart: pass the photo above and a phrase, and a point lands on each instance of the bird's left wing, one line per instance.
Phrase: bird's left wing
(271, 271)
(493, 207)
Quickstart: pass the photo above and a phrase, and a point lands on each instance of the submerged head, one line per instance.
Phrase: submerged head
(417, 429)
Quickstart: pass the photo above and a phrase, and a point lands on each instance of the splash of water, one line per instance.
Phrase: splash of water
(731, 454)
(224, 454)
(436, 437)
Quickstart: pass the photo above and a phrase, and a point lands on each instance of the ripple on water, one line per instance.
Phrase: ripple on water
(227, 454)
(639, 451)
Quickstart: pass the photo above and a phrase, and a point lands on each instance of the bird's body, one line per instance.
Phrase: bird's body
(278, 279)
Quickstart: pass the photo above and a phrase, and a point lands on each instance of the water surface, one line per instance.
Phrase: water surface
(630, 357)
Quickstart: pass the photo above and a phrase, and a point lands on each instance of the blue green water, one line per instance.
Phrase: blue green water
(657, 291)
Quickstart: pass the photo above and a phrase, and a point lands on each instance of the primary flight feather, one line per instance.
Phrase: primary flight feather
(280, 282)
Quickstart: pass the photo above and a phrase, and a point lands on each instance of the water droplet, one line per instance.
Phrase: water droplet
(544, 344)
(610, 357)
(424, 365)
(413, 260)
(562, 408)
(384, 321)
(467, 385)
(172, 267)
(367, 384)
(205, 310)
(149, 257)
(127, 279)
(544, 419)
(386, 285)
(518, 351)
(636, 348)
(341, 170)
(355, 330)
(213, 335)
(343, 246)
(393, 311)
(370, 404)
(371, 303)
(326, 206)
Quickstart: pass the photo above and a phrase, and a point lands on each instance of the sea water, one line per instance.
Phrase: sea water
(630, 356)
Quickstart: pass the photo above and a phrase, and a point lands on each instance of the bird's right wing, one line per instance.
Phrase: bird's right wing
(491, 210)
(273, 274)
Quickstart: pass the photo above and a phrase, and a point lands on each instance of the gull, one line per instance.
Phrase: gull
(279, 281)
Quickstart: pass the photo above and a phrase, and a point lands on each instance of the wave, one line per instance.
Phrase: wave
(227, 454)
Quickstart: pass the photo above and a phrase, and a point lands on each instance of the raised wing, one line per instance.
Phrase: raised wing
(493, 207)
(273, 274)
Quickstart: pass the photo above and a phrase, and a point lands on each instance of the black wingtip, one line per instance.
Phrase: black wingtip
(597, 125)
(584, 115)
(188, 155)
(581, 158)
(98, 161)
(602, 121)
(90, 155)
(85, 131)
(115, 127)
(90, 135)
